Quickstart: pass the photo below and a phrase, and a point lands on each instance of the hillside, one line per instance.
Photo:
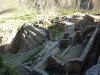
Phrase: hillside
(49, 4)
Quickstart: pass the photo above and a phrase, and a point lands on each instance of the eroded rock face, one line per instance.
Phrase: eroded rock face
(50, 4)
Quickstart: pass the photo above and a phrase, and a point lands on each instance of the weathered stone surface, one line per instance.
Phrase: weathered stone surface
(77, 64)
(57, 65)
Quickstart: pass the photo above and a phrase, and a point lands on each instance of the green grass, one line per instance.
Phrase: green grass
(55, 31)
(34, 56)
(88, 11)
(65, 12)
(69, 12)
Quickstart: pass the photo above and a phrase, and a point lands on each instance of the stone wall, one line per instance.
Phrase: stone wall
(79, 36)
(88, 30)
(50, 50)
(65, 35)
(77, 64)
(57, 64)
(65, 51)
(72, 39)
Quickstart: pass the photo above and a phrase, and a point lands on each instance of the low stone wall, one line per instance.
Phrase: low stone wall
(37, 38)
(57, 64)
(39, 69)
(26, 42)
(51, 50)
(39, 72)
(65, 51)
(88, 30)
(77, 64)
(37, 32)
(72, 38)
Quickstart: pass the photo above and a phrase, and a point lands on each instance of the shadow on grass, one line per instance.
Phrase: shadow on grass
(7, 11)
(55, 30)
(34, 56)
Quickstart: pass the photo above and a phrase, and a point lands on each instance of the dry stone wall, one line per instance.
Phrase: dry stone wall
(28, 38)
(77, 64)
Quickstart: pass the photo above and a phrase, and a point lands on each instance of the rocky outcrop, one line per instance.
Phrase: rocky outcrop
(50, 4)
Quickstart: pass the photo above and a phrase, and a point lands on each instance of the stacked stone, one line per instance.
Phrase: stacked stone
(77, 64)
(57, 64)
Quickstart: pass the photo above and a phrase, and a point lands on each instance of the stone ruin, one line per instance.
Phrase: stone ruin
(58, 19)
(28, 38)
(65, 56)
(53, 62)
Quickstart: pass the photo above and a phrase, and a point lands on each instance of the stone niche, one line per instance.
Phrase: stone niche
(64, 43)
